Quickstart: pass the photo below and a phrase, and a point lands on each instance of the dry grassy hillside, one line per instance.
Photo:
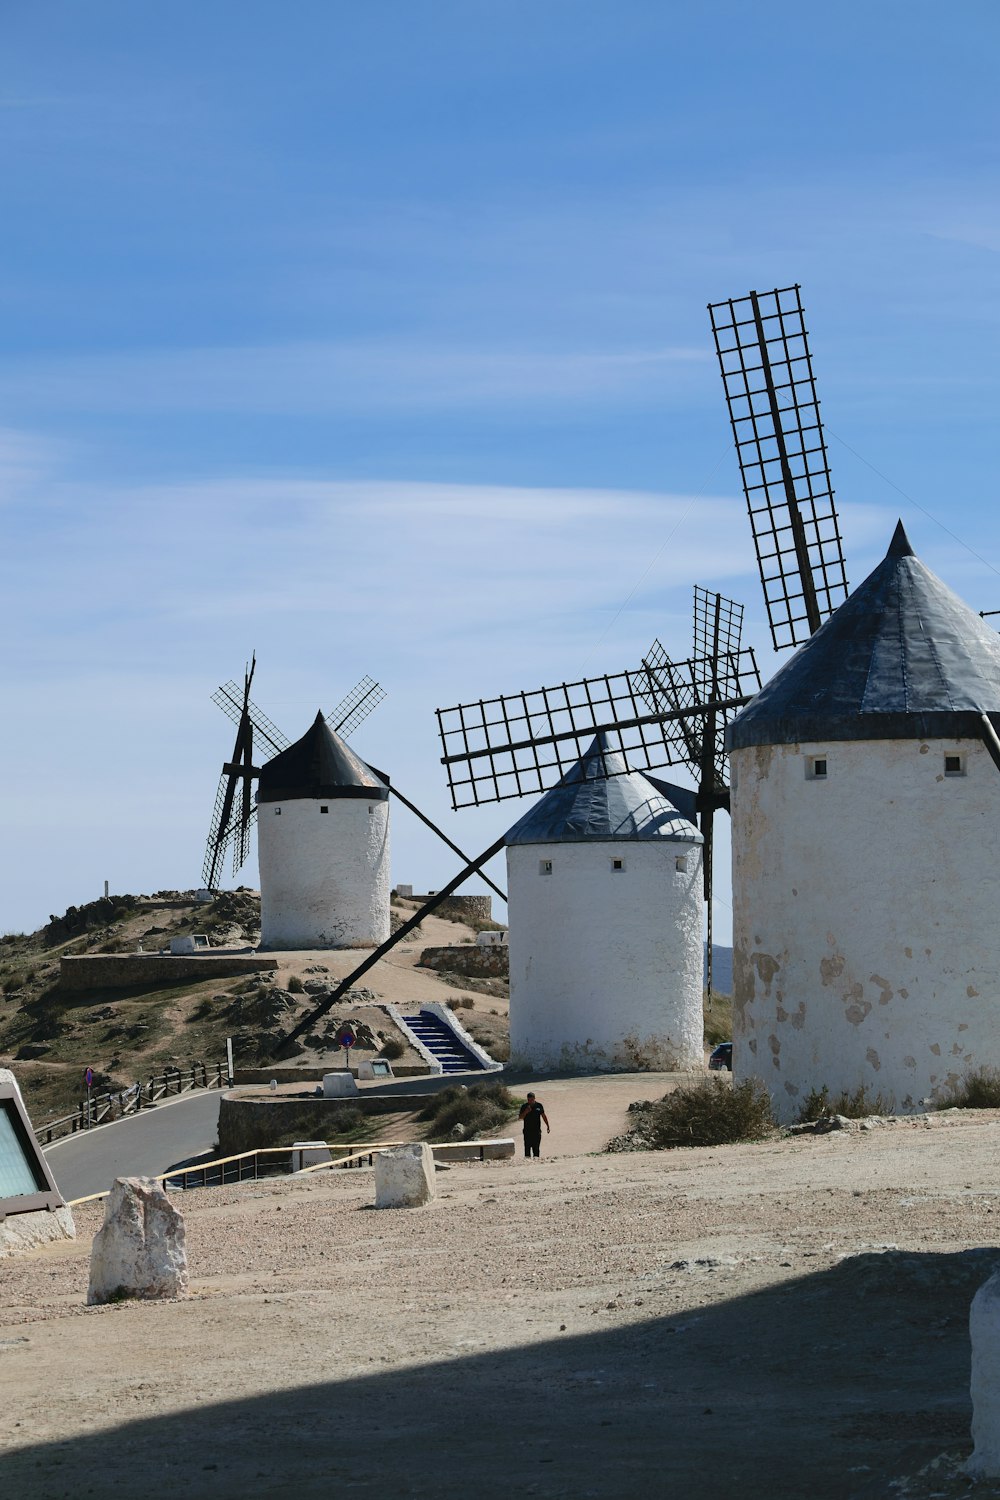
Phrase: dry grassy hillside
(49, 1036)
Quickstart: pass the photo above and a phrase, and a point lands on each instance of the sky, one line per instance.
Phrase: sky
(373, 339)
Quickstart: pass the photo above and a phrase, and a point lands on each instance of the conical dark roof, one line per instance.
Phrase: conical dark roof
(599, 800)
(319, 765)
(902, 658)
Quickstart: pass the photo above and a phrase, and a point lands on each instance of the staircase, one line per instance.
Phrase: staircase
(443, 1044)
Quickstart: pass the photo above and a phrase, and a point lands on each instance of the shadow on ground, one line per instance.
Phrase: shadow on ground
(825, 1387)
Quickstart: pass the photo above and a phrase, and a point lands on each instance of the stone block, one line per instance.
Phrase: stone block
(984, 1328)
(139, 1250)
(340, 1085)
(20, 1233)
(404, 1176)
(309, 1154)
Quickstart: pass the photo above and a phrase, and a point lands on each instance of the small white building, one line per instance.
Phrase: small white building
(323, 846)
(604, 884)
(866, 815)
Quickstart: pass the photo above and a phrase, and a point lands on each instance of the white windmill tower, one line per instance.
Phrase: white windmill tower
(604, 884)
(866, 812)
(323, 846)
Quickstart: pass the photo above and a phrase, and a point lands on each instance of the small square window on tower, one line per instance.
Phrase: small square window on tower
(681, 863)
(277, 812)
(545, 867)
(324, 809)
(816, 768)
(617, 864)
(954, 765)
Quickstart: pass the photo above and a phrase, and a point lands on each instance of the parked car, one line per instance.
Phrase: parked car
(722, 1057)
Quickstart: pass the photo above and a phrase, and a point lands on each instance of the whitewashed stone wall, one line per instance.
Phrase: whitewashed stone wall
(324, 877)
(865, 931)
(605, 966)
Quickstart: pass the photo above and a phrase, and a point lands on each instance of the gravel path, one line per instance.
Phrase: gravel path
(779, 1320)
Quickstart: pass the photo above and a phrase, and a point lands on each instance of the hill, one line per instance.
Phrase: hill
(49, 1036)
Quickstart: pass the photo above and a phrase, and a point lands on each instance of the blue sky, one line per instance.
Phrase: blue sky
(373, 338)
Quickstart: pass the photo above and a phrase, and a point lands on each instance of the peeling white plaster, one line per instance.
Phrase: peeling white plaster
(866, 941)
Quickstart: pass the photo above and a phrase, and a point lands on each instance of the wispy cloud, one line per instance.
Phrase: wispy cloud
(308, 378)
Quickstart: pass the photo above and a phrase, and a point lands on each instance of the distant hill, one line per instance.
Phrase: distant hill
(722, 969)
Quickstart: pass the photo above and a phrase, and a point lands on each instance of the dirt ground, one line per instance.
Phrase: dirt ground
(771, 1321)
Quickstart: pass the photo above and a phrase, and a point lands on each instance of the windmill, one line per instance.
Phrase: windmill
(232, 821)
(669, 712)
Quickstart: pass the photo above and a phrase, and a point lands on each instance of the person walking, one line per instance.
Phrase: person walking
(532, 1114)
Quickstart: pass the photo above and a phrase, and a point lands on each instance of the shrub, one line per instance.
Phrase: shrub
(465, 1002)
(979, 1089)
(483, 1107)
(393, 1048)
(713, 1113)
(853, 1105)
(295, 985)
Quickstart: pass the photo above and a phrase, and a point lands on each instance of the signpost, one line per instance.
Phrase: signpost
(347, 1039)
(88, 1079)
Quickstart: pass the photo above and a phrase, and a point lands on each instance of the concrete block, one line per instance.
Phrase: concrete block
(340, 1085)
(309, 1154)
(404, 1176)
(984, 1328)
(139, 1251)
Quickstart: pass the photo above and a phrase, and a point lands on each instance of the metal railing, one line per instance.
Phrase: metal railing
(101, 1109)
(250, 1166)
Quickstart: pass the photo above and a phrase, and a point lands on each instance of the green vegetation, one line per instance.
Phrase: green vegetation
(478, 1110)
(979, 1089)
(712, 1113)
(855, 1104)
(718, 1019)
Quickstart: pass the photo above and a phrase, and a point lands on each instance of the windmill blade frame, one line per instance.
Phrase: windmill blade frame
(762, 346)
(229, 697)
(520, 744)
(352, 710)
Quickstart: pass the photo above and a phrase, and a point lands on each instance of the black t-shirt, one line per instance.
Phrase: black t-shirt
(533, 1118)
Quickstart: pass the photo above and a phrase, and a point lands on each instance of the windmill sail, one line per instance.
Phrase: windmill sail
(522, 743)
(763, 351)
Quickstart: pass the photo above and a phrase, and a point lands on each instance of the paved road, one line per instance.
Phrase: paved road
(141, 1146)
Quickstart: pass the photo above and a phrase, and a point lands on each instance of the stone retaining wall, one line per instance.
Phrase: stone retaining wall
(463, 908)
(116, 971)
(470, 959)
(248, 1124)
(317, 1074)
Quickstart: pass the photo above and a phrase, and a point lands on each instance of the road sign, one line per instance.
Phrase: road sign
(88, 1077)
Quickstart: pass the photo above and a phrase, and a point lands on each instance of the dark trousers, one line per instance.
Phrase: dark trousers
(532, 1144)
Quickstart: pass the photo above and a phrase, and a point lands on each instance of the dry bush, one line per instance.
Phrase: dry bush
(856, 1104)
(295, 985)
(483, 1107)
(979, 1089)
(712, 1113)
(392, 1049)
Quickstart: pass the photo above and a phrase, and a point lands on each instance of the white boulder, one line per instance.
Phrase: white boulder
(22, 1232)
(404, 1176)
(139, 1251)
(984, 1328)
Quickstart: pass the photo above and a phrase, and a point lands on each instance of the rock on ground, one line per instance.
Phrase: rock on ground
(139, 1251)
(404, 1176)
